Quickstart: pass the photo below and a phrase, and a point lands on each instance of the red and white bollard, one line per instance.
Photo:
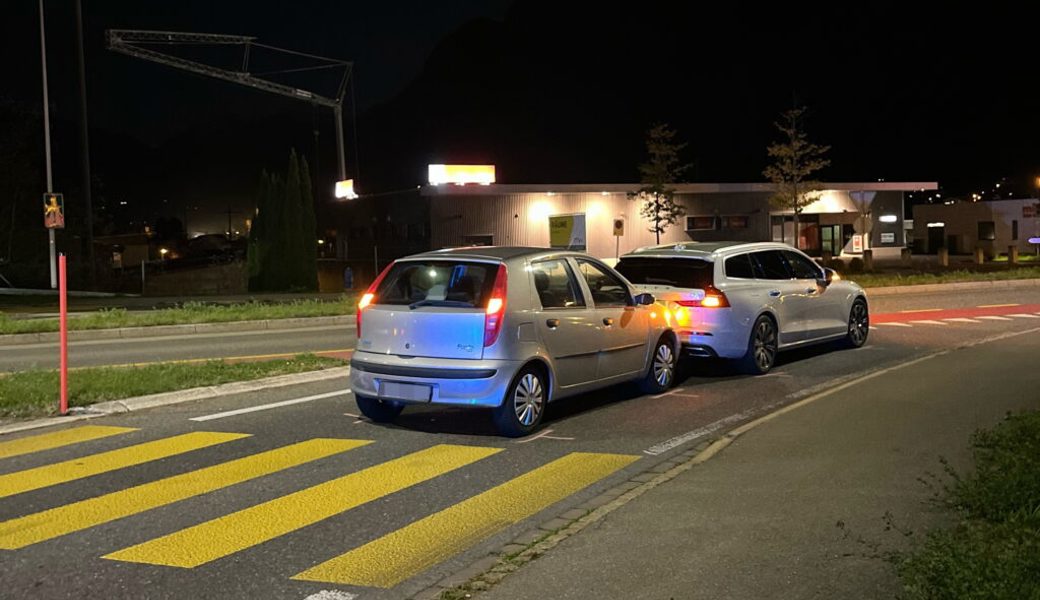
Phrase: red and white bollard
(63, 310)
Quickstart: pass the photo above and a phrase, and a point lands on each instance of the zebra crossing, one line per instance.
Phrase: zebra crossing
(382, 562)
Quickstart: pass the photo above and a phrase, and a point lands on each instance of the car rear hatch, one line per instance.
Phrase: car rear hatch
(683, 285)
(430, 308)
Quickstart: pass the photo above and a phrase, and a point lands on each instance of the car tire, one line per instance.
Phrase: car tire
(660, 375)
(380, 411)
(859, 324)
(762, 347)
(524, 403)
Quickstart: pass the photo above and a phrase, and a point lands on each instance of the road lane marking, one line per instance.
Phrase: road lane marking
(1024, 316)
(998, 305)
(95, 464)
(532, 438)
(929, 322)
(700, 432)
(246, 528)
(917, 310)
(961, 320)
(56, 522)
(331, 595)
(48, 441)
(895, 324)
(242, 411)
(994, 318)
(391, 559)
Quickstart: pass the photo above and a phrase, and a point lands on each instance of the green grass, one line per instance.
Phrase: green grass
(35, 393)
(882, 279)
(993, 551)
(189, 312)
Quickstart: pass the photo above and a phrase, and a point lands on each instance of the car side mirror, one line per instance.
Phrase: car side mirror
(829, 275)
(644, 299)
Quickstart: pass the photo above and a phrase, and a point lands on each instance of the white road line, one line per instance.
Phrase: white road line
(997, 305)
(1024, 316)
(961, 320)
(700, 432)
(873, 327)
(929, 322)
(917, 310)
(534, 437)
(995, 318)
(895, 324)
(331, 595)
(557, 437)
(163, 338)
(242, 411)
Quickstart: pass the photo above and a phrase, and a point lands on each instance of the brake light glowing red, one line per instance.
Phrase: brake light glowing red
(713, 298)
(369, 297)
(496, 308)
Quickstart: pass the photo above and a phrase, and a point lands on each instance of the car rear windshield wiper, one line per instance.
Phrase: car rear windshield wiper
(454, 303)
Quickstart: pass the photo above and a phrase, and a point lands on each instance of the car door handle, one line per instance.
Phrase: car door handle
(774, 293)
(552, 323)
(608, 321)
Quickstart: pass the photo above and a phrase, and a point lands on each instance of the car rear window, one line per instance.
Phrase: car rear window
(676, 272)
(437, 283)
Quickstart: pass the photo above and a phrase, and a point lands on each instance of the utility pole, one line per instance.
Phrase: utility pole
(47, 150)
(84, 143)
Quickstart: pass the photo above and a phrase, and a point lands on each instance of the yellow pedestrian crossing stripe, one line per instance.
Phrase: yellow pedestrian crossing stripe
(387, 561)
(48, 441)
(71, 470)
(246, 528)
(41, 526)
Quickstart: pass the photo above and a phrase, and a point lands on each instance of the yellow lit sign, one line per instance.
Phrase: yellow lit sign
(462, 174)
(53, 211)
(345, 189)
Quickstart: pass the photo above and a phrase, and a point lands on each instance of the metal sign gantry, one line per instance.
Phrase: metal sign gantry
(132, 43)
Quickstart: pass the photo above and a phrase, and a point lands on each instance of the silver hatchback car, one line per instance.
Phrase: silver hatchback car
(507, 328)
(748, 301)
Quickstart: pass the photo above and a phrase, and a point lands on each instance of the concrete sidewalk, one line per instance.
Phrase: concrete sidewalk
(759, 520)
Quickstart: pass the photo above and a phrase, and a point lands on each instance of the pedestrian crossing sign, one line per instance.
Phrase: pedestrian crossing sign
(53, 211)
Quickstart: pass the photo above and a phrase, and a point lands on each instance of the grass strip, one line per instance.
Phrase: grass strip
(187, 313)
(35, 393)
(882, 279)
(993, 551)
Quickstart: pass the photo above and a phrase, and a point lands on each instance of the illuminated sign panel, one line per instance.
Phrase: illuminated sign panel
(345, 189)
(462, 174)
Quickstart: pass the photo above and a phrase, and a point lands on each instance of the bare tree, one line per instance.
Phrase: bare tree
(795, 161)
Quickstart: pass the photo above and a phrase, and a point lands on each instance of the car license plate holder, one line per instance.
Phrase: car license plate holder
(409, 392)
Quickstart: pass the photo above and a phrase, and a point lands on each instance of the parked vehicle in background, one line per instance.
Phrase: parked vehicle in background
(511, 329)
(748, 301)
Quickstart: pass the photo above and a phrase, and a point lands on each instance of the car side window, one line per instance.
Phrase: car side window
(607, 289)
(802, 267)
(555, 285)
(740, 266)
(769, 264)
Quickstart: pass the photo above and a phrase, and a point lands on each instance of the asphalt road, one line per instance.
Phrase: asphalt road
(325, 339)
(380, 511)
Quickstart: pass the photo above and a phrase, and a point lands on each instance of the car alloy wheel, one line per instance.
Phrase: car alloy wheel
(528, 400)
(664, 365)
(859, 324)
(764, 344)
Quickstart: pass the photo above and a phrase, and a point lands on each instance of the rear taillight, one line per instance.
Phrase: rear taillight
(713, 298)
(369, 297)
(496, 308)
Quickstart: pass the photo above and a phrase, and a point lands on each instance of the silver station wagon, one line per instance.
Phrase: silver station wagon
(748, 301)
(507, 328)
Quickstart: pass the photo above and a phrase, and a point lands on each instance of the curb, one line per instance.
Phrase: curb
(892, 290)
(126, 405)
(186, 329)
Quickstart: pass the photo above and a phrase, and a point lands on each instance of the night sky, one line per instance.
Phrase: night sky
(548, 91)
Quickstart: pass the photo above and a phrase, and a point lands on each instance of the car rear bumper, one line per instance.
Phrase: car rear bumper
(457, 382)
(714, 332)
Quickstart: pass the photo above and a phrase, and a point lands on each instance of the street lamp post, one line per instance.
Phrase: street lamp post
(47, 150)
